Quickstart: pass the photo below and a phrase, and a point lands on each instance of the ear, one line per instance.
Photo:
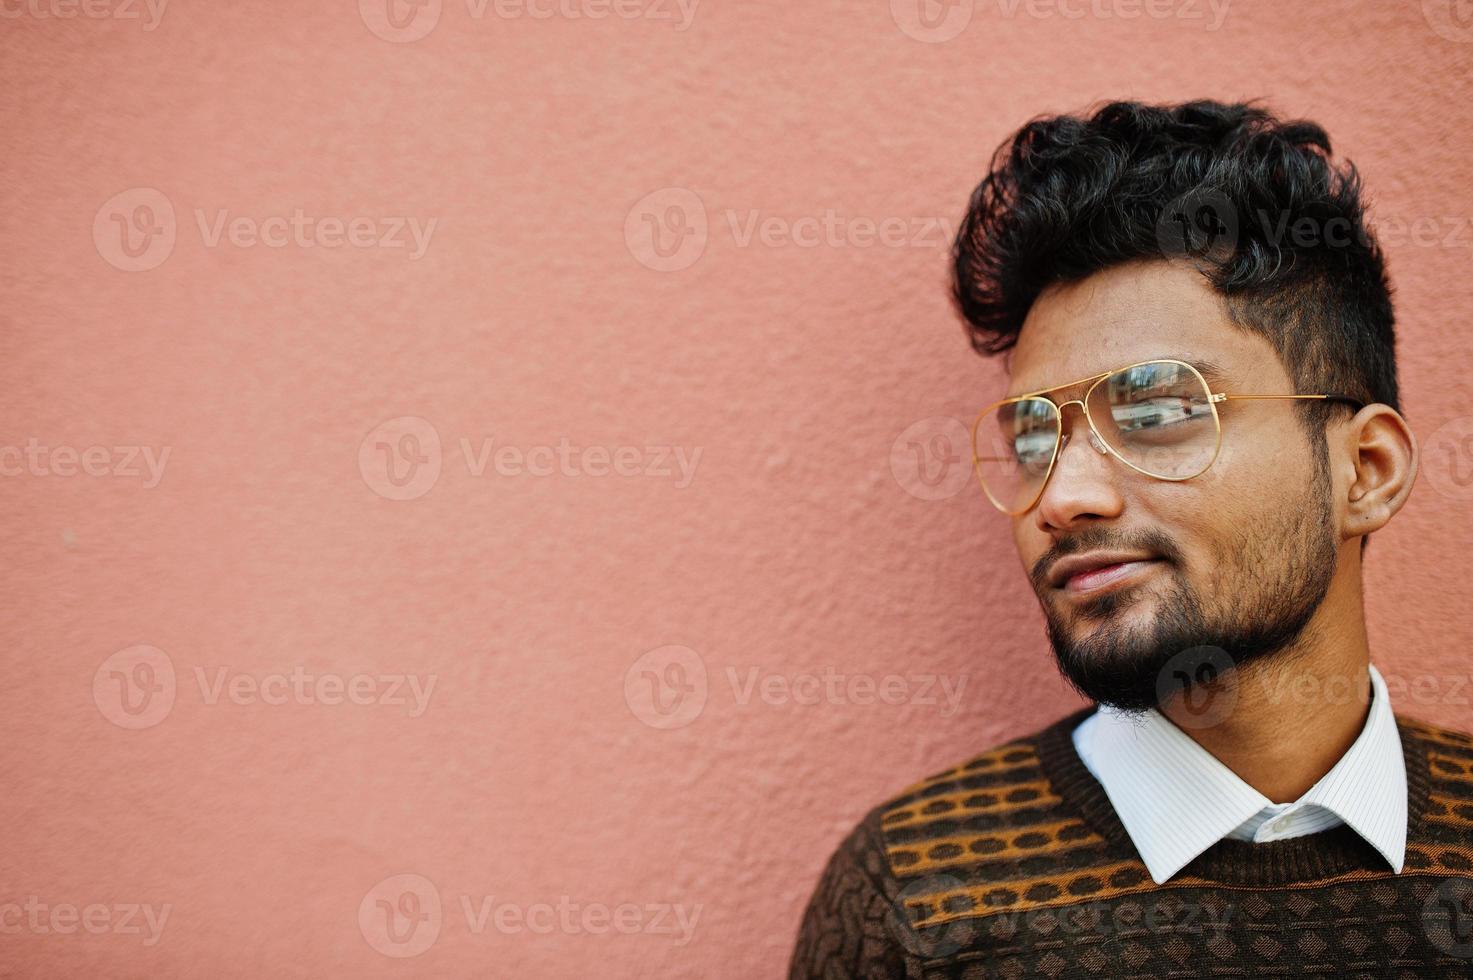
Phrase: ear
(1383, 450)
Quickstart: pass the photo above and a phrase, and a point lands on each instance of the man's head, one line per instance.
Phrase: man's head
(1196, 232)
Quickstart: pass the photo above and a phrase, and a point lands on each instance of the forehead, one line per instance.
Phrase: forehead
(1132, 313)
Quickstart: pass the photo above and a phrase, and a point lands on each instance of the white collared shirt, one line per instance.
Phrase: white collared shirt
(1176, 799)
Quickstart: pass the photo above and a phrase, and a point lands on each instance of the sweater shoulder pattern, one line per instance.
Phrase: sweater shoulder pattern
(1002, 833)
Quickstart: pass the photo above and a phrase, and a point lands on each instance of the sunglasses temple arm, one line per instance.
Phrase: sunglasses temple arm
(1221, 397)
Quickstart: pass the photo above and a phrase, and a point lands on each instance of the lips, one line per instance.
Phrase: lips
(1099, 578)
(1096, 569)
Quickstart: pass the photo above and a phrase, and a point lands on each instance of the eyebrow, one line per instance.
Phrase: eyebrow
(1213, 372)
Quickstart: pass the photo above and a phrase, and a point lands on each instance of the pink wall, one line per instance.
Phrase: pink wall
(271, 557)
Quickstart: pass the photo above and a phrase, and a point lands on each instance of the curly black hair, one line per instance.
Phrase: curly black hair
(1252, 201)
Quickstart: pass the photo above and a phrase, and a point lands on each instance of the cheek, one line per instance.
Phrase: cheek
(1203, 517)
(1225, 511)
(1264, 458)
(1029, 545)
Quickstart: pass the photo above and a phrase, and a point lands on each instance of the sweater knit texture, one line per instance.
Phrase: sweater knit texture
(1013, 864)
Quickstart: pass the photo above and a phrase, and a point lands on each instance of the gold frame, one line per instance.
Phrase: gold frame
(1213, 398)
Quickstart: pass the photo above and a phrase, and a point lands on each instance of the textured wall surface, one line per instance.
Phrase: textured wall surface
(637, 454)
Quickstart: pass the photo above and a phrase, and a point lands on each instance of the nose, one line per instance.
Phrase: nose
(1066, 428)
(1076, 490)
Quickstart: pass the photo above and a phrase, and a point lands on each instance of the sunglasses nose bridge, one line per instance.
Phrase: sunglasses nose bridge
(1094, 440)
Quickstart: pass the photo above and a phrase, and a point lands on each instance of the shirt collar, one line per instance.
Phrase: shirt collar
(1176, 799)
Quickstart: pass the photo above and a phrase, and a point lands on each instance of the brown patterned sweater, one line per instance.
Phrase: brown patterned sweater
(1013, 864)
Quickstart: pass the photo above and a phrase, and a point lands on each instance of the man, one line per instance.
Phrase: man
(1200, 435)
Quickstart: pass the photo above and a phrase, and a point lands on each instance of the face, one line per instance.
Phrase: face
(1239, 558)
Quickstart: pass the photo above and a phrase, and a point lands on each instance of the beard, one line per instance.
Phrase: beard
(1267, 584)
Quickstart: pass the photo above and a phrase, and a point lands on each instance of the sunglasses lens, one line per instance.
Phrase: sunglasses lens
(1158, 416)
(1013, 445)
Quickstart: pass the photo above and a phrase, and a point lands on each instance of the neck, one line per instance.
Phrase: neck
(1297, 711)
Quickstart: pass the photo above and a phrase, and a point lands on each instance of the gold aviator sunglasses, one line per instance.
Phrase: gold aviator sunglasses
(1158, 417)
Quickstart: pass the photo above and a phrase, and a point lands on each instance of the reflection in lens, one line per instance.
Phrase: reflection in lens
(1014, 445)
(1158, 416)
